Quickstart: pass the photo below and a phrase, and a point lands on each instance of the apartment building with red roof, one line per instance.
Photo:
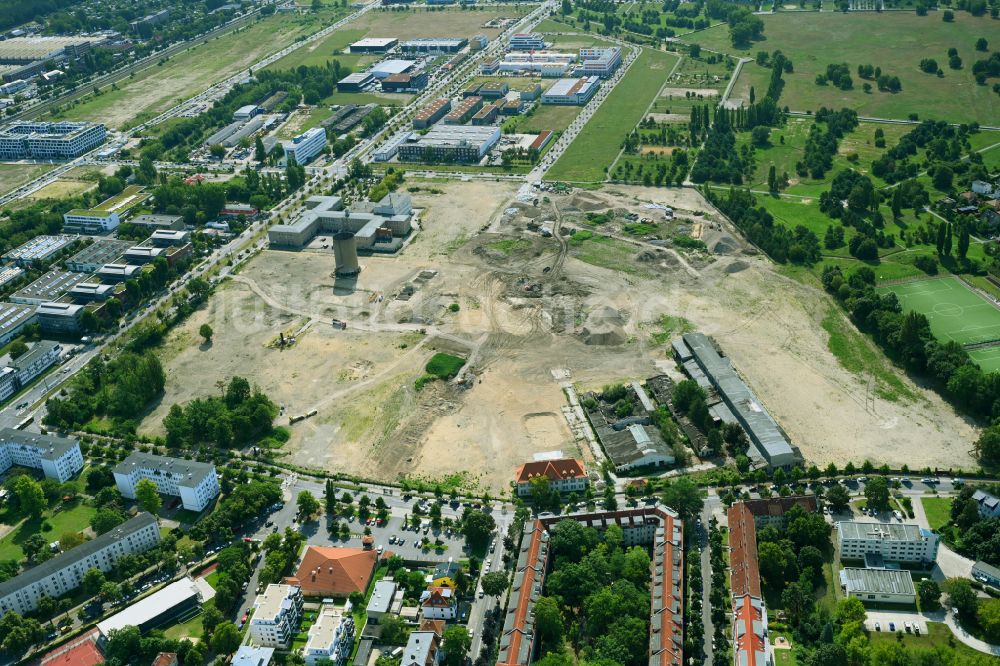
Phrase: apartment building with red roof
(565, 475)
(653, 525)
(334, 572)
(751, 644)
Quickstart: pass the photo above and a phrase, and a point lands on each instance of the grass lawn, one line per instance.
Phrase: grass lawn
(858, 355)
(784, 658)
(894, 41)
(955, 311)
(546, 117)
(608, 253)
(188, 629)
(73, 519)
(319, 53)
(597, 145)
(13, 176)
(937, 637)
(938, 510)
(159, 87)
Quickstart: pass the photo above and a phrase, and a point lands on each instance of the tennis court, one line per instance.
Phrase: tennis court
(954, 310)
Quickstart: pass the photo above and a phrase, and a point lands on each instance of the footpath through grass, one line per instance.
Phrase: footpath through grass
(597, 145)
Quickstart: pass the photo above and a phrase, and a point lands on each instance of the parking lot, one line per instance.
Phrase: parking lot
(909, 622)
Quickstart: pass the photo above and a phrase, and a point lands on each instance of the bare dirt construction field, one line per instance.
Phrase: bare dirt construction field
(527, 310)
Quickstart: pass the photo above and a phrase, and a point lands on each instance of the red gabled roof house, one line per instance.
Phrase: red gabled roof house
(565, 475)
(334, 572)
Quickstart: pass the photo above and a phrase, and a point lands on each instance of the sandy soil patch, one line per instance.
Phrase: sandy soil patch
(657, 150)
(522, 325)
(63, 188)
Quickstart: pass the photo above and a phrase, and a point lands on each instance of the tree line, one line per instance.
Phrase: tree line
(798, 246)
(240, 416)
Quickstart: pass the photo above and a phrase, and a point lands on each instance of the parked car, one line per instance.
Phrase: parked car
(878, 626)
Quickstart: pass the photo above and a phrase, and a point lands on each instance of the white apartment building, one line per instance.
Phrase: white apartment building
(305, 146)
(194, 482)
(35, 361)
(58, 457)
(90, 221)
(64, 573)
(894, 542)
(277, 615)
(330, 637)
(41, 140)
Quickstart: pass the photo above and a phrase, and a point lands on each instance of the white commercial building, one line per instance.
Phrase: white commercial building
(194, 482)
(571, 92)
(599, 61)
(894, 542)
(276, 618)
(381, 601)
(305, 146)
(49, 141)
(887, 586)
(330, 637)
(59, 458)
(64, 573)
(531, 41)
(249, 655)
(177, 598)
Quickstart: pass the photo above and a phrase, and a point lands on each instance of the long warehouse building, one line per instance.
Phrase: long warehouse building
(768, 443)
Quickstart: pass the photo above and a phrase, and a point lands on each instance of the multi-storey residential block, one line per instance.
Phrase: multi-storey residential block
(64, 573)
(330, 637)
(195, 483)
(58, 457)
(277, 615)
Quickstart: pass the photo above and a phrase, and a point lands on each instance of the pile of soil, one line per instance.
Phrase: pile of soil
(736, 267)
(603, 327)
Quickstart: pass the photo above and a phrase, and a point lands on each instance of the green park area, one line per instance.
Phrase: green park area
(598, 144)
(954, 310)
(894, 41)
(51, 525)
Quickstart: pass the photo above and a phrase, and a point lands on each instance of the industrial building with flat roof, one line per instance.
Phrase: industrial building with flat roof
(24, 139)
(464, 110)
(452, 143)
(64, 572)
(22, 50)
(895, 542)
(49, 287)
(158, 221)
(768, 444)
(10, 273)
(883, 586)
(390, 67)
(410, 82)
(434, 45)
(105, 216)
(181, 597)
(115, 273)
(100, 252)
(374, 45)
(355, 82)
(571, 91)
(196, 483)
(39, 248)
(13, 318)
(57, 317)
(431, 113)
(655, 525)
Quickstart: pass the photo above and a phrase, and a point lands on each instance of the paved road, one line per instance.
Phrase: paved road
(711, 505)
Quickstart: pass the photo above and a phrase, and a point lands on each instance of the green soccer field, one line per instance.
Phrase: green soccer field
(954, 310)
